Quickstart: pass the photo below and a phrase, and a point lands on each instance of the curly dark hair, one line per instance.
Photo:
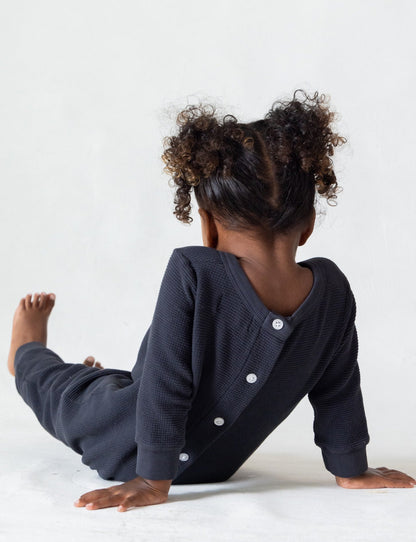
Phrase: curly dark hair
(258, 175)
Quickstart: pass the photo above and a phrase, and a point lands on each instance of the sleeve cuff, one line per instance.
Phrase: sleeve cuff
(157, 463)
(346, 465)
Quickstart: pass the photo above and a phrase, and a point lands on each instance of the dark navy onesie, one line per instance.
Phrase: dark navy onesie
(216, 373)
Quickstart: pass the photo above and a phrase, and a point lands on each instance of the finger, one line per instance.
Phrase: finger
(397, 474)
(99, 493)
(124, 506)
(398, 483)
(402, 474)
(404, 483)
(104, 502)
(403, 479)
(91, 496)
(141, 499)
(36, 299)
(98, 365)
(132, 502)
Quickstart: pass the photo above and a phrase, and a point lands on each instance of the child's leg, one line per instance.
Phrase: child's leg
(46, 383)
(91, 410)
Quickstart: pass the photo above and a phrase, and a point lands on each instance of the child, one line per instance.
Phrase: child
(240, 334)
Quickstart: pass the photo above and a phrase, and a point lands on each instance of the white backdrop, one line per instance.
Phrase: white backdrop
(89, 89)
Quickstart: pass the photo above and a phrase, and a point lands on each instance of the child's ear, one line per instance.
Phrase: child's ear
(209, 229)
(212, 233)
(204, 225)
(309, 229)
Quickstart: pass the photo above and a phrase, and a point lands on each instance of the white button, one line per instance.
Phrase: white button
(219, 421)
(277, 323)
(183, 457)
(251, 378)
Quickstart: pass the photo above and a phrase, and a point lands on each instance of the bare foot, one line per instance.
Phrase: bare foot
(90, 362)
(30, 322)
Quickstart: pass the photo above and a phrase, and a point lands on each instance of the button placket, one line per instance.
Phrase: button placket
(248, 384)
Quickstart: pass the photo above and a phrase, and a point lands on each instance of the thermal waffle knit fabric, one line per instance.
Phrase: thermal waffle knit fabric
(216, 373)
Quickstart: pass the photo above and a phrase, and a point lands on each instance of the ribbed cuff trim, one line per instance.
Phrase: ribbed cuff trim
(23, 349)
(348, 464)
(156, 463)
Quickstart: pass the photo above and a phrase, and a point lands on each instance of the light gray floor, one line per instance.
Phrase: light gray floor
(272, 497)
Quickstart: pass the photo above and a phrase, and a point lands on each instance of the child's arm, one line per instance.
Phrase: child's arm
(164, 397)
(136, 492)
(168, 379)
(340, 423)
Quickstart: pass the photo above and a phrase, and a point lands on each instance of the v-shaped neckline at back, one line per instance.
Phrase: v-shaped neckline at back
(255, 304)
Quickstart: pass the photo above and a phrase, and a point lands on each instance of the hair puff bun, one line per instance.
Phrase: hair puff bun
(299, 133)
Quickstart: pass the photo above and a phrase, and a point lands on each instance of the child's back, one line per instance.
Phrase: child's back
(228, 371)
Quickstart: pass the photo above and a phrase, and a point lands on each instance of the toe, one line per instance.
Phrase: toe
(36, 299)
(42, 300)
(51, 300)
(28, 301)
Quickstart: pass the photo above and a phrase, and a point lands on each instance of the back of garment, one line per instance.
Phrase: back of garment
(217, 371)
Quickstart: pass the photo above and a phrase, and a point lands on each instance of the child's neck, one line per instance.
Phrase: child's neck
(263, 257)
(280, 283)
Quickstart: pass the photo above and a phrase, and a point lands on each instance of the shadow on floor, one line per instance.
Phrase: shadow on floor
(268, 472)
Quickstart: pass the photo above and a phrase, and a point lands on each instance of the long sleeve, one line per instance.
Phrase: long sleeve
(340, 424)
(166, 384)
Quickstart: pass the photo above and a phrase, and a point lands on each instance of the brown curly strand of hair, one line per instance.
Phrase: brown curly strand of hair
(301, 131)
(261, 175)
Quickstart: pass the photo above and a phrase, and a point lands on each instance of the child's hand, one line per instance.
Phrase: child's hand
(137, 492)
(375, 478)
